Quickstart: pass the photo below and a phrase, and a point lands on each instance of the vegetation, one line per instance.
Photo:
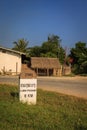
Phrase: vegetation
(53, 48)
(53, 111)
(50, 48)
(79, 58)
(21, 45)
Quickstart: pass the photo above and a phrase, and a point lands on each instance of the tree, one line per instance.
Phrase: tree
(35, 51)
(54, 39)
(79, 56)
(21, 45)
(53, 48)
(62, 55)
(50, 48)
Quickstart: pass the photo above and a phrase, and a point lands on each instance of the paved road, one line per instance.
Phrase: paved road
(76, 86)
(14, 80)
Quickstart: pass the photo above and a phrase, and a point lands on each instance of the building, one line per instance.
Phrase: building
(44, 66)
(10, 61)
(66, 70)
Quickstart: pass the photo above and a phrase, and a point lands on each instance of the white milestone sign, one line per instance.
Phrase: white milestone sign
(28, 91)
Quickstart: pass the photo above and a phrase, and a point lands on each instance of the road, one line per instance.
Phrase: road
(76, 86)
(14, 80)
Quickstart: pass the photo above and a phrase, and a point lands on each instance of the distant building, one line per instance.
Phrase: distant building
(46, 66)
(10, 61)
(66, 70)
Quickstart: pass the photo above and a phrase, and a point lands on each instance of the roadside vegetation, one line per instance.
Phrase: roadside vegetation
(75, 57)
(78, 57)
(53, 111)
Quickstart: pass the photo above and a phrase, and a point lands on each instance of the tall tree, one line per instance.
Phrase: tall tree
(21, 45)
(79, 56)
(54, 39)
(53, 48)
(50, 48)
(35, 51)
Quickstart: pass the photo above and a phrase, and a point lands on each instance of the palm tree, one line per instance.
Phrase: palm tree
(21, 45)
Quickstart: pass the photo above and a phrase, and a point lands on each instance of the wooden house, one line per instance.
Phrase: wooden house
(44, 66)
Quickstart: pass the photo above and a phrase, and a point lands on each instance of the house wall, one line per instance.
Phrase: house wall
(66, 70)
(57, 72)
(10, 61)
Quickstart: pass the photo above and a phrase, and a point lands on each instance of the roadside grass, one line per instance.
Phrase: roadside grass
(53, 111)
(70, 75)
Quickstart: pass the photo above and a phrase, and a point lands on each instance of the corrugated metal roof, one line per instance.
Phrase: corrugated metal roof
(10, 50)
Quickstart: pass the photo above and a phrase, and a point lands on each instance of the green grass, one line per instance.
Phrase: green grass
(53, 111)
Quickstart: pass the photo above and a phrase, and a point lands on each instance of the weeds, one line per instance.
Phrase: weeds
(53, 111)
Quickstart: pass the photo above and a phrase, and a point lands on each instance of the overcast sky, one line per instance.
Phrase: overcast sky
(34, 20)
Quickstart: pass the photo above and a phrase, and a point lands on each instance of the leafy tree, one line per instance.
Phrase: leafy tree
(21, 45)
(54, 39)
(62, 55)
(48, 54)
(50, 48)
(52, 44)
(79, 56)
(35, 51)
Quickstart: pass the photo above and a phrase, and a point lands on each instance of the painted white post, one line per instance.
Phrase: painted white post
(28, 88)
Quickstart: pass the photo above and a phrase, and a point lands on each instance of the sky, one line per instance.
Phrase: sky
(35, 20)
